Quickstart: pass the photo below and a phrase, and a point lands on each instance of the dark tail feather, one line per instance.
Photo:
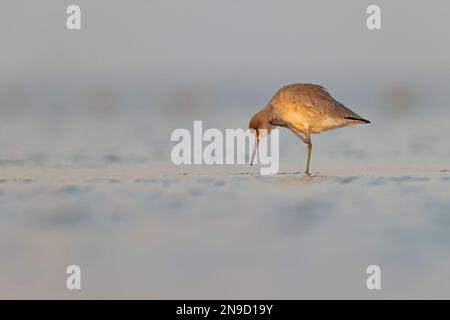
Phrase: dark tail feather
(358, 119)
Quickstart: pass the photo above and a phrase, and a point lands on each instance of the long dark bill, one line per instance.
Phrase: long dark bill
(255, 147)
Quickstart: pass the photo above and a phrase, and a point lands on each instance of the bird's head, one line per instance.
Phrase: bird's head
(260, 126)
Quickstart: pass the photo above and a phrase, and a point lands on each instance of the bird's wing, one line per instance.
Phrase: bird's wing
(316, 99)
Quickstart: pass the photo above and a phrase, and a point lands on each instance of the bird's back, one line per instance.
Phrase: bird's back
(311, 106)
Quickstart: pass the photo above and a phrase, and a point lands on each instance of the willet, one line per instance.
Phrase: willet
(304, 109)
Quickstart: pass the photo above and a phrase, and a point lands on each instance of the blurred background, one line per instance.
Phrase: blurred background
(85, 124)
(116, 89)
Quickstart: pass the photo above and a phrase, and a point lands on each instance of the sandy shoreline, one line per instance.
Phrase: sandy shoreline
(134, 172)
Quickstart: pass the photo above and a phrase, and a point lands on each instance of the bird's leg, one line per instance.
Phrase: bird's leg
(309, 147)
(306, 140)
(298, 134)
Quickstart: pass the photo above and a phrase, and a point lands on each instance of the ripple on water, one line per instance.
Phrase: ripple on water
(345, 180)
(107, 180)
(204, 180)
(76, 190)
(166, 182)
(24, 181)
(377, 181)
(409, 179)
(147, 180)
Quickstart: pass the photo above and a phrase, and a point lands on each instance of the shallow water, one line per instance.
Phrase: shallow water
(99, 191)
(223, 235)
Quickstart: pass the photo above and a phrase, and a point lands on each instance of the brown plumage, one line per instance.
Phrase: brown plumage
(304, 109)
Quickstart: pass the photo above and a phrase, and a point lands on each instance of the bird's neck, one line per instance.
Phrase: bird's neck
(264, 116)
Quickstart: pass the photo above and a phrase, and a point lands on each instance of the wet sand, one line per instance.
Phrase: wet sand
(142, 231)
(98, 190)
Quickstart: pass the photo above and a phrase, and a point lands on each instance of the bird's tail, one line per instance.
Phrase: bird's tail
(358, 119)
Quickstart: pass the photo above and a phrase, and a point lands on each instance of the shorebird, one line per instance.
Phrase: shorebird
(304, 109)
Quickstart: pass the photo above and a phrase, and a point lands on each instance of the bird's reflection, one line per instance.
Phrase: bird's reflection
(309, 178)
